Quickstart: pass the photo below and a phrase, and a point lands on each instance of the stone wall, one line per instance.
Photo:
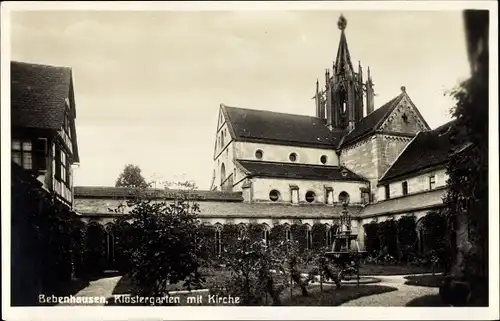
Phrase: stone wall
(361, 158)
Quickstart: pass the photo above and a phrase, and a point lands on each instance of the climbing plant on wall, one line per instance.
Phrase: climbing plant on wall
(318, 236)
(372, 242)
(407, 236)
(277, 233)
(299, 235)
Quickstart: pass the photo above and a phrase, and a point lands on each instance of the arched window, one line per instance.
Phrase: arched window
(242, 229)
(293, 157)
(265, 233)
(258, 154)
(110, 243)
(222, 173)
(222, 139)
(288, 232)
(218, 239)
(308, 237)
(330, 234)
(323, 159)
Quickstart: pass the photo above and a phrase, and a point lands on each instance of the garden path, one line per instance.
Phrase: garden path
(99, 288)
(405, 293)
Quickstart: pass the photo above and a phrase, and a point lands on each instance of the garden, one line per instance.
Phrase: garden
(162, 248)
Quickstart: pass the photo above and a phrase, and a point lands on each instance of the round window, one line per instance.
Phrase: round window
(293, 157)
(323, 159)
(274, 195)
(258, 154)
(310, 196)
(344, 197)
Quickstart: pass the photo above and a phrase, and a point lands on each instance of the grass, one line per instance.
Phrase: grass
(335, 297)
(400, 269)
(431, 300)
(212, 279)
(433, 281)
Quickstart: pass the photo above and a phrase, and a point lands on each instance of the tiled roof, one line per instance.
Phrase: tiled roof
(268, 126)
(426, 150)
(406, 204)
(38, 94)
(297, 171)
(222, 209)
(127, 192)
(369, 124)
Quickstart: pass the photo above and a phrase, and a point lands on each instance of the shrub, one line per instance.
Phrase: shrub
(167, 246)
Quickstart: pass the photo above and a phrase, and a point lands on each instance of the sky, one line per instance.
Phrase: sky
(148, 84)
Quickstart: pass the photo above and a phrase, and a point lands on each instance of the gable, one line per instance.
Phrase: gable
(404, 118)
(426, 150)
(220, 119)
(367, 126)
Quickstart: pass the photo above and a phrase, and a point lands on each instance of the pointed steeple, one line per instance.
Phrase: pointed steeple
(343, 64)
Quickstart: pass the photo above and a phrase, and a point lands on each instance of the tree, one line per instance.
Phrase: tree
(167, 244)
(467, 197)
(131, 177)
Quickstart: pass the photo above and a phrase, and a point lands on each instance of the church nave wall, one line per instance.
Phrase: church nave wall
(262, 188)
(281, 153)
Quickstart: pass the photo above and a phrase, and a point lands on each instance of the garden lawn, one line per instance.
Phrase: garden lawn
(432, 300)
(334, 297)
(381, 269)
(425, 280)
(213, 278)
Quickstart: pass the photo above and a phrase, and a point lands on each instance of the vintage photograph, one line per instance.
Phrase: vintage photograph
(249, 158)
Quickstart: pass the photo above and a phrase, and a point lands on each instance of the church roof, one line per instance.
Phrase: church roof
(369, 124)
(427, 149)
(273, 127)
(297, 171)
(38, 94)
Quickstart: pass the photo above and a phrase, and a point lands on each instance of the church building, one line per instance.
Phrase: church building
(277, 168)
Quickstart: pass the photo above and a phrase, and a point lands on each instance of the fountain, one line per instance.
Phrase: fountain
(346, 253)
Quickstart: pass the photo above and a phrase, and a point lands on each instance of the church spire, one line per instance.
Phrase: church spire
(343, 64)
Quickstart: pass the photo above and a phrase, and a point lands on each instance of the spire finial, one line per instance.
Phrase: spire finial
(342, 23)
(403, 89)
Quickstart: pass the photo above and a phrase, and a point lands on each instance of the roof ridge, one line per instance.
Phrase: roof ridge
(272, 111)
(39, 64)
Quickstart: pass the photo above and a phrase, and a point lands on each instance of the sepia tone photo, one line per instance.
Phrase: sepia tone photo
(256, 158)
